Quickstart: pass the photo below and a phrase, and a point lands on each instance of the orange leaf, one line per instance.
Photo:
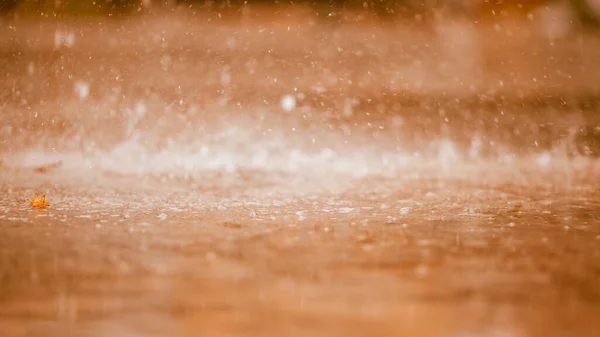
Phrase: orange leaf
(38, 202)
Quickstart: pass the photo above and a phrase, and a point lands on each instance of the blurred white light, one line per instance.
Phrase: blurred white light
(544, 159)
(288, 102)
(69, 40)
(82, 89)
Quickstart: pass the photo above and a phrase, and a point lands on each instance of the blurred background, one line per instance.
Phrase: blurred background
(185, 85)
(585, 10)
(179, 86)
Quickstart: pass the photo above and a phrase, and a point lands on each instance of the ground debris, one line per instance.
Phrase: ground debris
(38, 202)
(229, 224)
(47, 167)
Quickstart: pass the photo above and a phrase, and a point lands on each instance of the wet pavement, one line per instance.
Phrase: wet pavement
(420, 256)
(409, 190)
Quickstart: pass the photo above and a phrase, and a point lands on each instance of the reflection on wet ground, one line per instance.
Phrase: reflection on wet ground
(421, 256)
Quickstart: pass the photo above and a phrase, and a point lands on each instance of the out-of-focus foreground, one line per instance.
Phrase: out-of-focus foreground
(299, 170)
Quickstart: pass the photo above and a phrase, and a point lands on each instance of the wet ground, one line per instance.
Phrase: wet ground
(412, 255)
(414, 189)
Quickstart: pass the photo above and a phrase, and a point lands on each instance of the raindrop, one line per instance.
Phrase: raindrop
(82, 89)
(288, 103)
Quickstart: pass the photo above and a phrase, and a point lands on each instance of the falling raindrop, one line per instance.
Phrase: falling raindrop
(288, 103)
(82, 89)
